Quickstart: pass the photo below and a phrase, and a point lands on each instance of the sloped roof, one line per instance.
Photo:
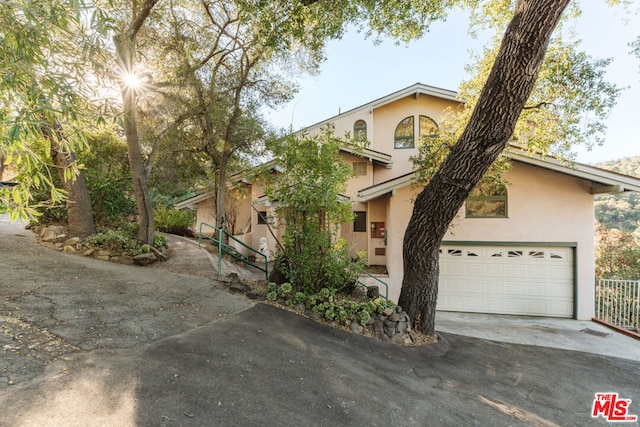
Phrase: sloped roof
(414, 89)
(603, 181)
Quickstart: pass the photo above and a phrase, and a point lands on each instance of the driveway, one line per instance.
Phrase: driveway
(86, 342)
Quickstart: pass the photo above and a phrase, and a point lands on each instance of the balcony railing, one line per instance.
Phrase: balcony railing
(618, 303)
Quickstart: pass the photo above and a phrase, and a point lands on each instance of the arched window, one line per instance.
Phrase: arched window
(487, 200)
(428, 127)
(360, 130)
(403, 137)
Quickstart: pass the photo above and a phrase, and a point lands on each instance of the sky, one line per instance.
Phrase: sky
(358, 71)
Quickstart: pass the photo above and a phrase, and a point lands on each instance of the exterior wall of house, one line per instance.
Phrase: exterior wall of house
(378, 253)
(385, 121)
(357, 183)
(343, 124)
(262, 230)
(206, 212)
(543, 207)
(356, 240)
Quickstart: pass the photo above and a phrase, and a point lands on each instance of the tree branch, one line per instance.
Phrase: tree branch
(142, 16)
(538, 105)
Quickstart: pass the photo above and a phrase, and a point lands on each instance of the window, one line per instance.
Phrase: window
(262, 217)
(487, 200)
(403, 137)
(359, 168)
(360, 130)
(360, 221)
(428, 127)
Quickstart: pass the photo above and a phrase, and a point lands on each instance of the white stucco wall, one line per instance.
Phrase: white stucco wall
(544, 207)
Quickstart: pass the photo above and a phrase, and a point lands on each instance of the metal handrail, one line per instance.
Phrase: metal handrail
(366, 273)
(223, 247)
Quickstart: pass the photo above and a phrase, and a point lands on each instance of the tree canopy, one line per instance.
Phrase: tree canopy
(44, 95)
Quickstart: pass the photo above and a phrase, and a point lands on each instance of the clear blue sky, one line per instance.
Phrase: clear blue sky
(357, 71)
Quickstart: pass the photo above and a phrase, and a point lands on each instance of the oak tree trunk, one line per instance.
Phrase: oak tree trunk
(503, 97)
(124, 44)
(221, 191)
(80, 221)
(138, 171)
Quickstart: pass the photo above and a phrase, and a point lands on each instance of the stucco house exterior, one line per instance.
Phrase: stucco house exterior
(525, 250)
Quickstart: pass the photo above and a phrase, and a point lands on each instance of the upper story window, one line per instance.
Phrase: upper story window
(359, 168)
(428, 127)
(487, 200)
(360, 130)
(404, 137)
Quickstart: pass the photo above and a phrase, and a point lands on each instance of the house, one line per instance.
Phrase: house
(527, 249)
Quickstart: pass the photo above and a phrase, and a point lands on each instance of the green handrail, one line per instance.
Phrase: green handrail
(366, 273)
(223, 247)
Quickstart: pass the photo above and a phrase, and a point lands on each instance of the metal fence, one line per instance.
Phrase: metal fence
(618, 302)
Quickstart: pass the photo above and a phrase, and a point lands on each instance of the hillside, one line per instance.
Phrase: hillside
(627, 165)
(621, 212)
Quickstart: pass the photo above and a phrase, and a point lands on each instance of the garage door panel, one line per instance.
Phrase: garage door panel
(495, 287)
(527, 280)
(539, 272)
(516, 271)
(454, 269)
(495, 270)
(475, 269)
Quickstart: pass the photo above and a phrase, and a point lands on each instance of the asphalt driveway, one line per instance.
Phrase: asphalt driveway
(85, 342)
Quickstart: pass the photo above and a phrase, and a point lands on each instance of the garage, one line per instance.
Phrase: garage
(528, 280)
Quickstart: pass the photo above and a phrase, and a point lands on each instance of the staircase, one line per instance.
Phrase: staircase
(220, 238)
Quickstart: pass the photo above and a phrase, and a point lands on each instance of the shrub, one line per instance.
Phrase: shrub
(115, 241)
(285, 290)
(159, 241)
(309, 189)
(330, 304)
(123, 241)
(173, 221)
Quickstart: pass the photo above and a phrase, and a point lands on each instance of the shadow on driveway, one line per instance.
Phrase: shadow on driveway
(90, 343)
(268, 365)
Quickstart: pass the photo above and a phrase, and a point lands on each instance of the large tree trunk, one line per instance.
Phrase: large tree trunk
(138, 171)
(221, 191)
(124, 47)
(80, 221)
(491, 125)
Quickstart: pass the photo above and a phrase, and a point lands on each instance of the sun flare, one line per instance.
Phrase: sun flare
(132, 81)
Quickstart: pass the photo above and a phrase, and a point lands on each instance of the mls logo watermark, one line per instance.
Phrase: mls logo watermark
(612, 408)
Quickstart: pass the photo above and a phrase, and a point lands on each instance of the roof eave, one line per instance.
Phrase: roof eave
(605, 182)
(417, 88)
(385, 188)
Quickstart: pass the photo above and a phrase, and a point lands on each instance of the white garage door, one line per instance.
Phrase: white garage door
(535, 281)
